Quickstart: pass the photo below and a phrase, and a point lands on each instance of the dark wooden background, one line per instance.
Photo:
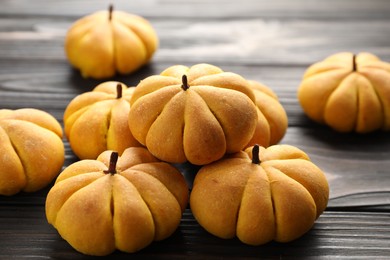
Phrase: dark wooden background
(269, 41)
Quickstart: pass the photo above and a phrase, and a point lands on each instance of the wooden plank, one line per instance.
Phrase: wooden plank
(218, 9)
(353, 235)
(246, 41)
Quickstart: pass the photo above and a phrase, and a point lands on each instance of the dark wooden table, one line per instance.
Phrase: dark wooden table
(269, 41)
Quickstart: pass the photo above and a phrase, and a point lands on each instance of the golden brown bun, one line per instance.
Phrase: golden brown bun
(31, 148)
(272, 118)
(100, 46)
(215, 115)
(98, 212)
(96, 121)
(348, 92)
(278, 199)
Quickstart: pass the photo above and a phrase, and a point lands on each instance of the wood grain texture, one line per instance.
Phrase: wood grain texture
(354, 235)
(269, 41)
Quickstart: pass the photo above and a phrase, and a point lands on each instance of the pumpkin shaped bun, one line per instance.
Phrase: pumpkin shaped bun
(109, 42)
(272, 118)
(349, 93)
(96, 121)
(259, 195)
(31, 149)
(113, 202)
(194, 114)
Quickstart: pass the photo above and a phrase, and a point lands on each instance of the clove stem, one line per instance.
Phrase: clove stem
(119, 91)
(113, 160)
(110, 8)
(255, 154)
(185, 85)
